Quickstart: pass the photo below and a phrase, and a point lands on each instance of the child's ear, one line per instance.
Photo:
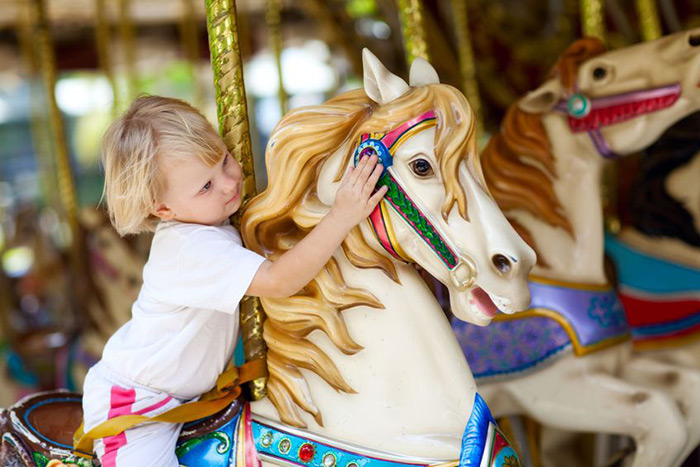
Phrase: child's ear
(164, 212)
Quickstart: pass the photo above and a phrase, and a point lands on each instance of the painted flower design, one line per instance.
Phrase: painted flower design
(511, 461)
(607, 311)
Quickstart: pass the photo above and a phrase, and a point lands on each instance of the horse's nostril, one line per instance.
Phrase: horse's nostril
(694, 40)
(502, 263)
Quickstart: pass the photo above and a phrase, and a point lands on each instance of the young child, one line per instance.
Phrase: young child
(166, 168)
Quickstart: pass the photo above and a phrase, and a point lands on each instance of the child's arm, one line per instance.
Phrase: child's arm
(295, 268)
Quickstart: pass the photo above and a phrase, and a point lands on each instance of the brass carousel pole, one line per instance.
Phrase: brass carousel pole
(190, 44)
(126, 33)
(66, 180)
(102, 39)
(592, 19)
(232, 112)
(649, 19)
(41, 139)
(413, 29)
(274, 27)
(470, 85)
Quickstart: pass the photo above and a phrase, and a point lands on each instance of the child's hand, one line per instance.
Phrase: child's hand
(354, 200)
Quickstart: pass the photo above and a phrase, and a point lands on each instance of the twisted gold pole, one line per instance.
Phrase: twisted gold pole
(233, 125)
(466, 61)
(593, 19)
(274, 27)
(649, 19)
(47, 64)
(413, 29)
(102, 38)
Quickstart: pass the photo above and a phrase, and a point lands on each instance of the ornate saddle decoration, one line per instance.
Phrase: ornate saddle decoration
(562, 317)
(663, 308)
(38, 432)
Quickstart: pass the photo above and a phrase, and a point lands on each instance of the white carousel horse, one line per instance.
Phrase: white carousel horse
(364, 369)
(663, 304)
(364, 356)
(569, 364)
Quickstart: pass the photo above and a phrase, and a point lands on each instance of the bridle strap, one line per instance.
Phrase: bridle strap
(385, 145)
(589, 115)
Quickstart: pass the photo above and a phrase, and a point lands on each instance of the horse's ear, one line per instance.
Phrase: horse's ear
(422, 73)
(381, 85)
(542, 99)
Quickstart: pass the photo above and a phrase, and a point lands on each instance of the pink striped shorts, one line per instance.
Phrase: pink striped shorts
(106, 395)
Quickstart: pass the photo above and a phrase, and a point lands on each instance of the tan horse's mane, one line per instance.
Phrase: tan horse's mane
(518, 162)
(289, 208)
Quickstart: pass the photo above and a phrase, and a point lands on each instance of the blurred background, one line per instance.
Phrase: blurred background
(68, 67)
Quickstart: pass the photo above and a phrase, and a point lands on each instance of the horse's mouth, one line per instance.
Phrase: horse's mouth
(487, 304)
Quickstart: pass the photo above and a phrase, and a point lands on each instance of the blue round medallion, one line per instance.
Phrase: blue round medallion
(371, 147)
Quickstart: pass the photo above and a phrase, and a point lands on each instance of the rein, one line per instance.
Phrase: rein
(587, 114)
(384, 145)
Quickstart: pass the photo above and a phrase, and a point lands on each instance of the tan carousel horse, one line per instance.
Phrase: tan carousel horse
(364, 367)
(114, 269)
(570, 365)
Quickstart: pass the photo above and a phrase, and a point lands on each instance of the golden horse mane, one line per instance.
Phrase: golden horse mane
(289, 208)
(518, 162)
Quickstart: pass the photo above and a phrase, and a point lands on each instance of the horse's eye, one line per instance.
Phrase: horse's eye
(599, 73)
(421, 167)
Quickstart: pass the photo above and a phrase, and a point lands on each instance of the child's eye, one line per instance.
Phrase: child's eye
(225, 160)
(207, 186)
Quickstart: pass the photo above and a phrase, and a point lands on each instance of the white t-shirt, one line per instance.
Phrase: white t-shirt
(184, 324)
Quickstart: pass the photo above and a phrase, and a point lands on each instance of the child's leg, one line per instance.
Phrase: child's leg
(150, 444)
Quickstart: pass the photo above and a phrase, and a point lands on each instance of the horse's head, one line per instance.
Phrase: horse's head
(622, 100)
(437, 212)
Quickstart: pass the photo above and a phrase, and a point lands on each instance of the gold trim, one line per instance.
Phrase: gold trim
(390, 232)
(579, 350)
(669, 343)
(424, 125)
(572, 285)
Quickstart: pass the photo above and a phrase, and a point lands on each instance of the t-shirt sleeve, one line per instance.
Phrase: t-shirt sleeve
(212, 272)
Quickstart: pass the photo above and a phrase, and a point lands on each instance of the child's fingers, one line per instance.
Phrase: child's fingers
(372, 180)
(365, 171)
(378, 195)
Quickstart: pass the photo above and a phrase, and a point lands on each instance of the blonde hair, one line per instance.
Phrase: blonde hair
(153, 132)
(285, 212)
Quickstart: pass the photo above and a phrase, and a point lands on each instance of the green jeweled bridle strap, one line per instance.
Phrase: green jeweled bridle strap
(384, 147)
(409, 212)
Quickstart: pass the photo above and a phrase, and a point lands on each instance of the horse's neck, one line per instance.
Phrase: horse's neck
(414, 390)
(577, 258)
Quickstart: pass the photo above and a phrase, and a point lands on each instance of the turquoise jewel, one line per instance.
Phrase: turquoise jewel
(579, 105)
